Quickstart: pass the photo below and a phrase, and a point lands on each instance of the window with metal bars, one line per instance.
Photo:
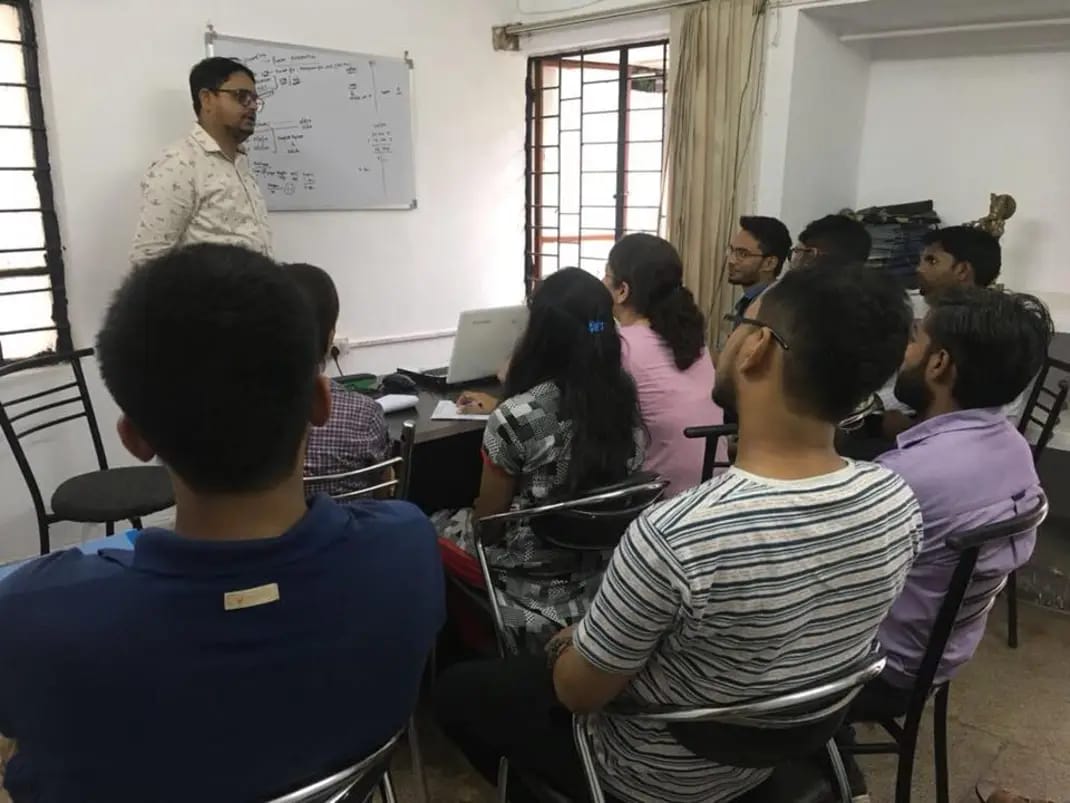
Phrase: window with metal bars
(33, 298)
(595, 148)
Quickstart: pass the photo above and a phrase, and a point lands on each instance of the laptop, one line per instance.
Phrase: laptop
(484, 342)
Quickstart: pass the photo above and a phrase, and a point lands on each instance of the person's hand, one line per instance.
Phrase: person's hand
(474, 403)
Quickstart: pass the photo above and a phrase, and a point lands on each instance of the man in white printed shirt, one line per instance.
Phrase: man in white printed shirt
(202, 188)
(771, 577)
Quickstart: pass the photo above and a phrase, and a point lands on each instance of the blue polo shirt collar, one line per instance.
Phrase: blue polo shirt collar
(160, 551)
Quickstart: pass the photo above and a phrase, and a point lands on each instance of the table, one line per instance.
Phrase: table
(447, 465)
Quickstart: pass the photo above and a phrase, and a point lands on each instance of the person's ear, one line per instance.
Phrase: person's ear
(756, 352)
(939, 368)
(963, 271)
(769, 265)
(621, 293)
(132, 440)
(321, 402)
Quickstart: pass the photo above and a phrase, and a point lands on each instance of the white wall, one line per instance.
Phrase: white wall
(827, 106)
(115, 82)
(956, 129)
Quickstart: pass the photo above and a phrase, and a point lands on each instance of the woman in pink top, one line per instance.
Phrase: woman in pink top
(663, 333)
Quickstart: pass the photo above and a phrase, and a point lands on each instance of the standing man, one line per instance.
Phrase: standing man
(202, 188)
(755, 256)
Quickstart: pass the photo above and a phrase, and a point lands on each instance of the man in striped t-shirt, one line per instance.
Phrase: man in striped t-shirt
(771, 577)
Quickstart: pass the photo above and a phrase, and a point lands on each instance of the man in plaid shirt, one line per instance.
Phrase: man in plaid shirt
(355, 435)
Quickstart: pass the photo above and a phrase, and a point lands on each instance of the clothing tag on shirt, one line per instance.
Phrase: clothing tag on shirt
(251, 597)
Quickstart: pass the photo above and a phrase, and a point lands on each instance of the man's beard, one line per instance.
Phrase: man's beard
(724, 393)
(911, 390)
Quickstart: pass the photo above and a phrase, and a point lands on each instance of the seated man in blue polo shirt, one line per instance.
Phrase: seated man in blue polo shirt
(264, 643)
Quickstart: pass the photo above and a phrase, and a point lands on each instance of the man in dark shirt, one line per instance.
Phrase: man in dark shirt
(265, 641)
(835, 237)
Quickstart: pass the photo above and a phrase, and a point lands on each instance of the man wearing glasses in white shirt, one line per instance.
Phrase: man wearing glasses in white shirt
(202, 189)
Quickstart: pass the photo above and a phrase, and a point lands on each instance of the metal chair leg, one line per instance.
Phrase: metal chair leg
(503, 780)
(1012, 610)
(386, 789)
(839, 770)
(904, 774)
(583, 747)
(135, 522)
(940, 744)
(419, 777)
(109, 528)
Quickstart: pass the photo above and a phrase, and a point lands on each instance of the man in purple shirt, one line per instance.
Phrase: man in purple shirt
(974, 352)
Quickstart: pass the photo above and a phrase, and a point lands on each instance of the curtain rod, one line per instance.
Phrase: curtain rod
(507, 37)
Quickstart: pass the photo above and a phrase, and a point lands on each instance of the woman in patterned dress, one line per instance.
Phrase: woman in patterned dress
(569, 422)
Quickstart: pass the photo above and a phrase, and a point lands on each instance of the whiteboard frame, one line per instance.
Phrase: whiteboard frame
(210, 36)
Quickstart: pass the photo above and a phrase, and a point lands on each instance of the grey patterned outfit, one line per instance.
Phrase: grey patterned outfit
(543, 588)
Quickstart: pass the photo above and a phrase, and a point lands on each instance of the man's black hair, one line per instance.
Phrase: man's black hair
(213, 353)
(773, 237)
(840, 237)
(967, 244)
(997, 342)
(319, 289)
(212, 73)
(846, 327)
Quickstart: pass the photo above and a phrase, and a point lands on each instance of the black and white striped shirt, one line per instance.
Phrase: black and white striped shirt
(742, 588)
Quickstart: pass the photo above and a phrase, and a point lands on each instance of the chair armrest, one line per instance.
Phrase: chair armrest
(712, 431)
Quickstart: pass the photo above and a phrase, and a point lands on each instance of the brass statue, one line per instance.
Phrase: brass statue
(1001, 208)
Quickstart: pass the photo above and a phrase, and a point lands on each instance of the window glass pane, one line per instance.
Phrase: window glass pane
(570, 225)
(14, 106)
(16, 148)
(599, 157)
(549, 189)
(570, 80)
(22, 259)
(599, 217)
(547, 103)
(547, 160)
(644, 189)
(548, 265)
(600, 127)
(570, 115)
(596, 245)
(12, 66)
(549, 134)
(570, 255)
(651, 57)
(548, 217)
(549, 75)
(601, 98)
(596, 267)
(21, 230)
(599, 189)
(644, 156)
(17, 347)
(645, 124)
(9, 23)
(647, 93)
(546, 242)
(605, 61)
(18, 190)
(641, 220)
(25, 311)
(570, 171)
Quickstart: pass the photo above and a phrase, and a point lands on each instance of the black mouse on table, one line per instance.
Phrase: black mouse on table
(397, 383)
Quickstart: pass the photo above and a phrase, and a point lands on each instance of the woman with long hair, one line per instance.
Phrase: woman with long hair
(569, 422)
(664, 336)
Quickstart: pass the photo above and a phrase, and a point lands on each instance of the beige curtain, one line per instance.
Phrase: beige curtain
(717, 51)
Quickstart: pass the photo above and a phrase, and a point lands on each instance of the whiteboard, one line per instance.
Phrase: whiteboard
(336, 128)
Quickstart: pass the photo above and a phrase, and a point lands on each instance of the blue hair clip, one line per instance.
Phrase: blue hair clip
(594, 327)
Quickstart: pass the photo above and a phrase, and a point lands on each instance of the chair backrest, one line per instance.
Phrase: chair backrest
(958, 609)
(593, 522)
(1046, 403)
(713, 435)
(768, 731)
(43, 409)
(401, 466)
(354, 783)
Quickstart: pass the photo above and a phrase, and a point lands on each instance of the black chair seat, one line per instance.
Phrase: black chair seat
(116, 494)
(799, 781)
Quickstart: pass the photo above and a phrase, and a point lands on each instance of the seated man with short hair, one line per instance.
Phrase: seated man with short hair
(837, 237)
(974, 352)
(772, 576)
(265, 642)
(355, 435)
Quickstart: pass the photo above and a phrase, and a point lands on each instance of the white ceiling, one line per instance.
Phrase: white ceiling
(888, 15)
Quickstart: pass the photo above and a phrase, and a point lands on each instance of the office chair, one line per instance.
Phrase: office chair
(780, 732)
(956, 610)
(354, 784)
(98, 497)
(1046, 403)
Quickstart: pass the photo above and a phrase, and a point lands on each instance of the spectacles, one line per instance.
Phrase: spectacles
(246, 97)
(776, 336)
(800, 251)
(741, 253)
